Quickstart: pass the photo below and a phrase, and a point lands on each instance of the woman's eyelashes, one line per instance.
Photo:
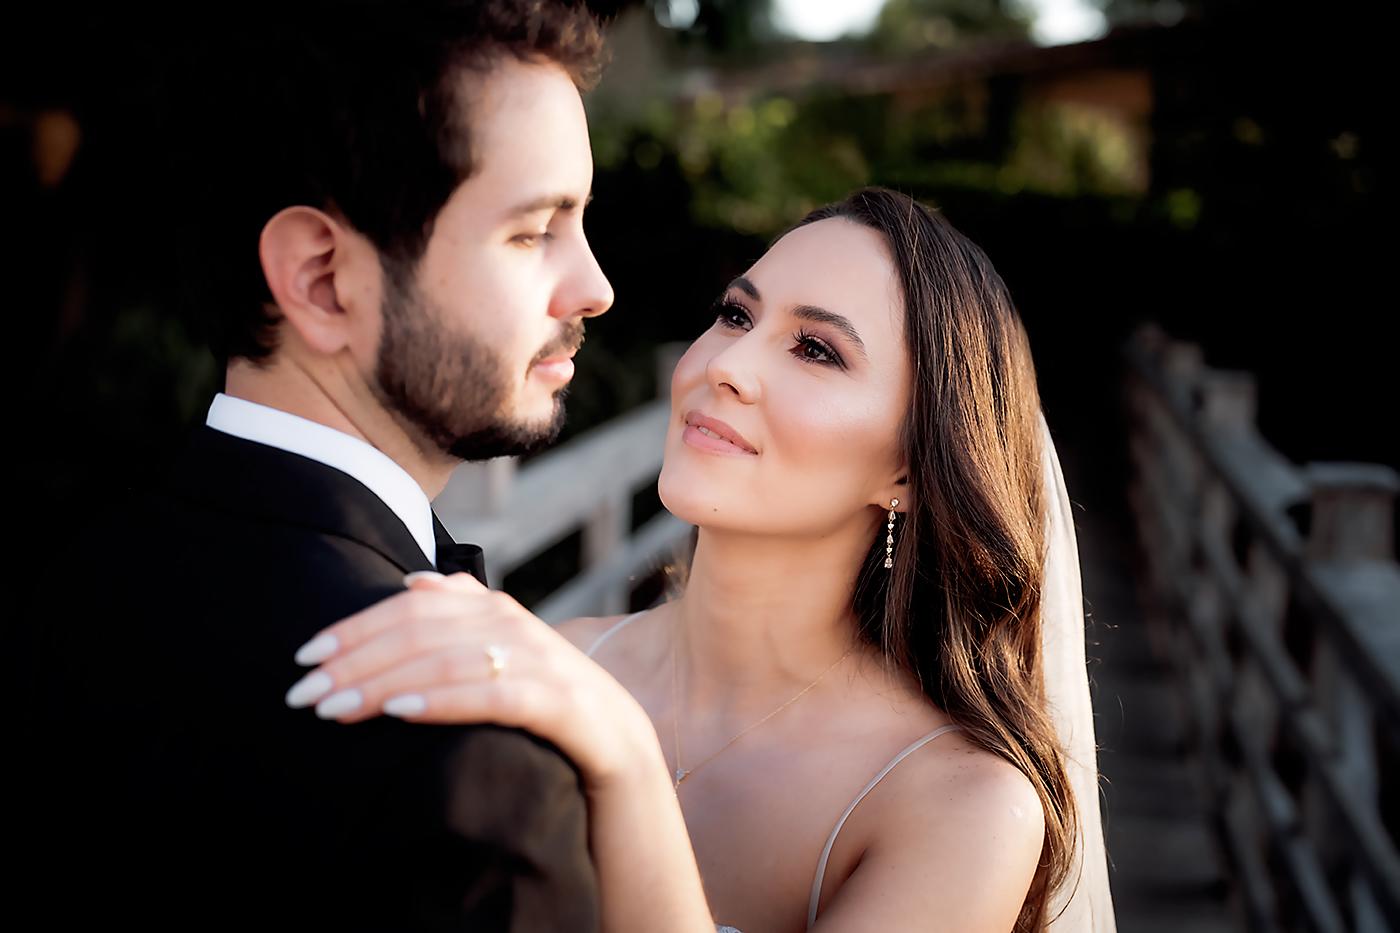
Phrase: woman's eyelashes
(731, 314)
(809, 348)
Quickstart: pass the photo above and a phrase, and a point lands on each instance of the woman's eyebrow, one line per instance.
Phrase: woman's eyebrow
(810, 313)
(823, 316)
(748, 288)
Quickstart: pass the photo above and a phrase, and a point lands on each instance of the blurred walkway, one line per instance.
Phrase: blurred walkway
(1165, 866)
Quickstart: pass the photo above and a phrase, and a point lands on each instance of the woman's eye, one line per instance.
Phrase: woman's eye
(530, 239)
(730, 315)
(815, 350)
(809, 348)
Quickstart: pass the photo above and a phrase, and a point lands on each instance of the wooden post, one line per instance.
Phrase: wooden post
(1353, 511)
(667, 356)
(1226, 405)
(1352, 520)
(1183, 371)
(1266, 587)
(1182, 364)
(1228, 399)
(481, 489)
(604, 536)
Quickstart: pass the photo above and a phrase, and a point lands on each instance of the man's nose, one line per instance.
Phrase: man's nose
(587, 292)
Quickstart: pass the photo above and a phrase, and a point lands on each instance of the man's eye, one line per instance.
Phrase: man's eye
(530, 239)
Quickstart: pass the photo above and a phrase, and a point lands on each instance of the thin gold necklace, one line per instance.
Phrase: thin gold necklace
(682, 773)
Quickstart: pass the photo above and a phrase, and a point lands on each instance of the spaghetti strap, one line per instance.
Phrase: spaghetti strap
(831, 840)
(612, 631)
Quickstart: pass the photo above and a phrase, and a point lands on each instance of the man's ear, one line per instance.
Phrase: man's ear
(301, 250)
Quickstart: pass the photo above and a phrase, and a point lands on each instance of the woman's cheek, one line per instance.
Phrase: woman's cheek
(690, 368)
(836, 436)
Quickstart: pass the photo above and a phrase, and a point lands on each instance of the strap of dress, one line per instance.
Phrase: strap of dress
(831, 840)
(612, 631)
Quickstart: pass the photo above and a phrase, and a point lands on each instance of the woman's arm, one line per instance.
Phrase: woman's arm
(425, 653)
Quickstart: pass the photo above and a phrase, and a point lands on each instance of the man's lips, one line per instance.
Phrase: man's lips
(717, 432)
(565, 347)
(556, 358)
(557, 362)
(558, 366)
(560, 370)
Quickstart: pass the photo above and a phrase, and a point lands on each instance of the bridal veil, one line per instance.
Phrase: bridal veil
(1084, 904)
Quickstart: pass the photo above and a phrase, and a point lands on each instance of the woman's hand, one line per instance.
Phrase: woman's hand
(449, 650)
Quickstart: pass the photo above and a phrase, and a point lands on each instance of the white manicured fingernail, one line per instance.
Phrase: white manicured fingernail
(309, 689)
(338, 704)
(407, 704)
(318, 649)
(422, 575)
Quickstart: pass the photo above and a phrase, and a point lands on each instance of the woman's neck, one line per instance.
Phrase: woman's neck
(763, 616)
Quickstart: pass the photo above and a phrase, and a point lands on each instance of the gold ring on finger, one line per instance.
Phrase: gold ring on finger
(498, 655)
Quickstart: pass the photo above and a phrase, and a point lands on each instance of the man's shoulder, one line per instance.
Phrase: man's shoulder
(235, 589)
(159, 534)
(226, 505)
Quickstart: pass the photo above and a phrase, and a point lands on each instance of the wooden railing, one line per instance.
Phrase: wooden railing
(588, 484)
(1275, 592)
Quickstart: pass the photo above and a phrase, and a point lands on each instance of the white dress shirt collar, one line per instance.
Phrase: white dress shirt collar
(336, 449)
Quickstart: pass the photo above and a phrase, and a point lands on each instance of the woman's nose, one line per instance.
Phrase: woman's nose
(729, 372)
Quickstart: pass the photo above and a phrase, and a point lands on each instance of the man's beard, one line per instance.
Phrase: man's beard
(450, 386)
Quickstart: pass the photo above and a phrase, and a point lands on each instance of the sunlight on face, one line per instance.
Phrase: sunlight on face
(796, 394)
(487, 330)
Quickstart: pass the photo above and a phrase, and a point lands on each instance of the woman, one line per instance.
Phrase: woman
(842, 723)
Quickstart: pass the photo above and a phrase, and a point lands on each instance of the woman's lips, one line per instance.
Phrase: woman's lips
(714, 436)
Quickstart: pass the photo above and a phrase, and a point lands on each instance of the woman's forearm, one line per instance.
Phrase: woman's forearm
(647, 874)
(510, 668)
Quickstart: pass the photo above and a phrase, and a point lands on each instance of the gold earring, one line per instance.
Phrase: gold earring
(889, 536)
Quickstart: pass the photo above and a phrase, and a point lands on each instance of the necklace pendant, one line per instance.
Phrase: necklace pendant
(681, 775)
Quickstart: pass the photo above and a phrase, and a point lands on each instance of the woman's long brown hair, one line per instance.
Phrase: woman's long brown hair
(960, 609)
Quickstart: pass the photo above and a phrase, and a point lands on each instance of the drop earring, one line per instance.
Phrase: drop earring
(889, 536)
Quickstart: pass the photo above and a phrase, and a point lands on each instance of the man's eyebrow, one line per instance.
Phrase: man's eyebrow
(549, 202)
(809, 313)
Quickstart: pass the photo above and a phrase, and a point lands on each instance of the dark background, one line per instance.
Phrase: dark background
(1250, 213)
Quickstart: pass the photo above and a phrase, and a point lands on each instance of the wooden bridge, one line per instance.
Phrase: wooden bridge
(1273, 592)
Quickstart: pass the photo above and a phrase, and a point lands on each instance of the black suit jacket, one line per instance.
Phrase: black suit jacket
(178, 789)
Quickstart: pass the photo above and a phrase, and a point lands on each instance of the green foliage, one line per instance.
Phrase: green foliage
(756, 165)
(913, 26)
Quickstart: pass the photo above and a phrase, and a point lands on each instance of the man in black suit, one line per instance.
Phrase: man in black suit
(413, 203)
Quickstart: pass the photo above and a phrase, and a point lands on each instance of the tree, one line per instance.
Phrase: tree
(908, 26)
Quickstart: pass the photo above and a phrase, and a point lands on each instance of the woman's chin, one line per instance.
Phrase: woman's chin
(685, 497)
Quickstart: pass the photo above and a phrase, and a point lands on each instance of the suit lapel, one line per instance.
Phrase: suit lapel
(247, 478)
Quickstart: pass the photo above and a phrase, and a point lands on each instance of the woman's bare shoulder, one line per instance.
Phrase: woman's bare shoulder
(963, 787)
(585, 630)
(956, 828)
